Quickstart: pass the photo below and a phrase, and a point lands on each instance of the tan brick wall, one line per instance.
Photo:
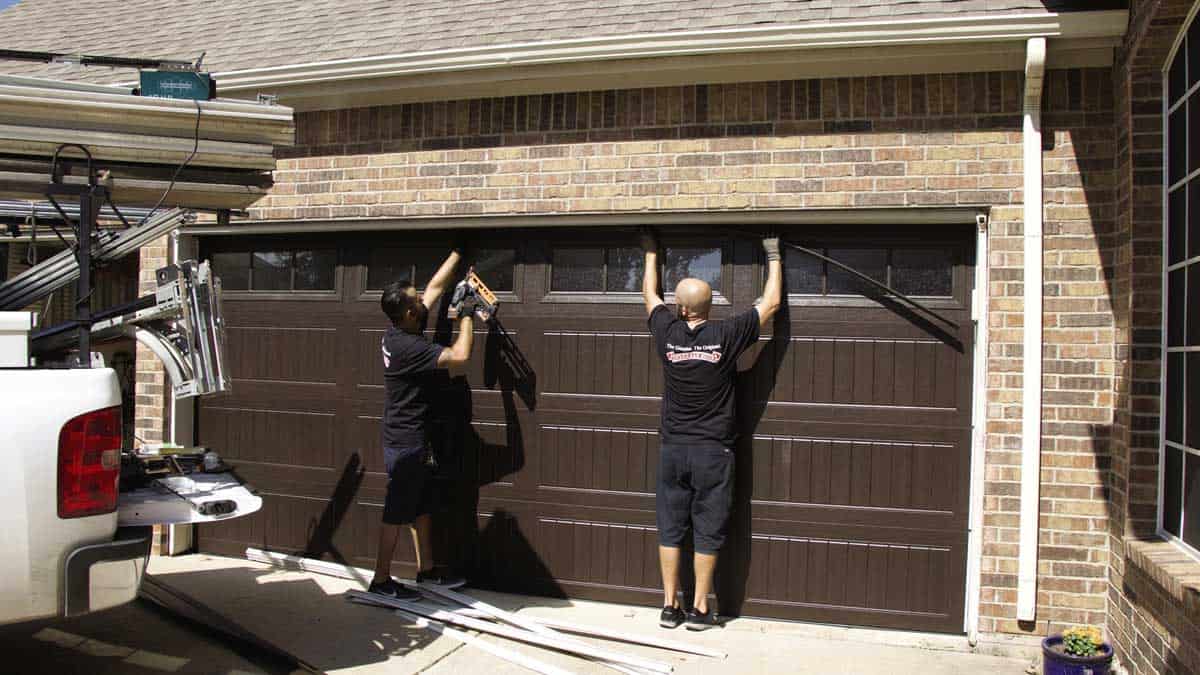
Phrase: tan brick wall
(150, 403)
(848, 142)
(1149, 630)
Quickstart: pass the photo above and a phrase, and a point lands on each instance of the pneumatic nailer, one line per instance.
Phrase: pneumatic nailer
(473, 288)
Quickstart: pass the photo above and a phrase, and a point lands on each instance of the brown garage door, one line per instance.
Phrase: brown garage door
(852, 476)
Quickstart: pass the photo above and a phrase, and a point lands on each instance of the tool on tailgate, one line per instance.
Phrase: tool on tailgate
(473, 288)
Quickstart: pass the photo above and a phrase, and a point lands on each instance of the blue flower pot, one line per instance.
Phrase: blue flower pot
(1057, 662)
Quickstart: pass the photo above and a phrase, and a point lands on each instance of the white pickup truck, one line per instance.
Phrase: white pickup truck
(72, 540)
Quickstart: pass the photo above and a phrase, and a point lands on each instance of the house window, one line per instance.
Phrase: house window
(1180, 464)
(596, 269)
(276, 270)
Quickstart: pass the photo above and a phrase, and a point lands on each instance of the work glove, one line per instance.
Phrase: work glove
(771, 247)
(647, 239)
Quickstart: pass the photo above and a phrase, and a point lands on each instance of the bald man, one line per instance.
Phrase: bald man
(698, 432)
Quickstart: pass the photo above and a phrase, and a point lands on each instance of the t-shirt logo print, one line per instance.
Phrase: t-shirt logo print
(387, 356)
(680, 353)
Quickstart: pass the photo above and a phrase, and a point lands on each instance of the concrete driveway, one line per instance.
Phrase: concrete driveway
(307, 615)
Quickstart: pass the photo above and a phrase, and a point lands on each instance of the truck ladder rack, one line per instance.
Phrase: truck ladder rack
(61, 269)
(181, 323)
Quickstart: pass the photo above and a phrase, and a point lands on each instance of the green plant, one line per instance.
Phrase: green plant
(1082, 640)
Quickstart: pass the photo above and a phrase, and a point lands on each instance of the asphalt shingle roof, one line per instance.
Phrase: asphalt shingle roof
(241, 34)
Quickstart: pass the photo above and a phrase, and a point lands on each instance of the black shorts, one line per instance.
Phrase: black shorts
(695, 486)
(409, 488)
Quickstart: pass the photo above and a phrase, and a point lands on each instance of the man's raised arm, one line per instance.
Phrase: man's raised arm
(773, 290)
(650, 273)
(441, 279)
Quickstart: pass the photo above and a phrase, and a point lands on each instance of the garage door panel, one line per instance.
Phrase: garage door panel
(285, 522)
(858, 371)
(601, 553)
(594, 410)
(271, 436)
(607, 363)
(885, 475)
(284, 396)
(283, 354)
(858, 423)
(592, 458)
(242, 309)
(838, 577)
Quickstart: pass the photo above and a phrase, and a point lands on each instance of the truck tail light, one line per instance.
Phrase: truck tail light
(89, 463)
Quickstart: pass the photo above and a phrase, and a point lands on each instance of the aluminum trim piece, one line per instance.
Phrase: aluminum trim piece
(913, 215)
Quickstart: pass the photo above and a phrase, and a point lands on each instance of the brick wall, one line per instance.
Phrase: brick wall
(847, 142)
(150, 403)
(1150, 630)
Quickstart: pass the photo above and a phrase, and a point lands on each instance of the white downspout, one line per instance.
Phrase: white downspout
(979, 312)
(1031, 400)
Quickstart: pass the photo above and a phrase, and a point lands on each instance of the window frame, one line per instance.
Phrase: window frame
(258, 244)
(1190, 96)
(603, 296)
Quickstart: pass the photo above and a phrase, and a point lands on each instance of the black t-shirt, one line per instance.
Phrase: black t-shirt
(409, 366)
(699, 366)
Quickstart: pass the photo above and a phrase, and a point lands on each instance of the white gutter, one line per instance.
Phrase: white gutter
(1031, 400)
(979, 312)
(970, 30)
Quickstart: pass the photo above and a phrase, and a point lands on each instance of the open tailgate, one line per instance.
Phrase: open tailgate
(192, 498)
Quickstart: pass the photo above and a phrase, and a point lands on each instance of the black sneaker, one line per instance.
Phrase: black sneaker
(440, 575)
(392, 589)
(671, 617)
(697, 620)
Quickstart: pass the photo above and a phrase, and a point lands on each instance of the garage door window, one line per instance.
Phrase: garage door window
(596, 269)
(870, 261)
(495, 266)
(681, 262)
(418, 265)
(414, 265)
(1180, 493)
(922, 272)
(276, 270)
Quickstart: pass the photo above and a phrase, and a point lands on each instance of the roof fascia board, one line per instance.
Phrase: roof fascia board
(970, 29)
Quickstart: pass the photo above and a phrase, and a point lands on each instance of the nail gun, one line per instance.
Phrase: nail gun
(473, 288)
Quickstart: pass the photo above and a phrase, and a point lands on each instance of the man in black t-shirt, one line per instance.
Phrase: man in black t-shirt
(698, 433)
(410, 362)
